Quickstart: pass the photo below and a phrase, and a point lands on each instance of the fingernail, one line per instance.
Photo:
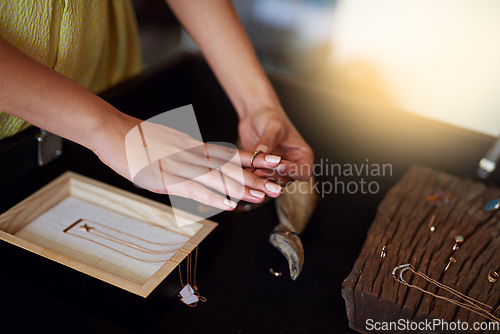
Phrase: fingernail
(256, 193)
(274, 159)
(273, 187)
(229, 203)
(263, 148)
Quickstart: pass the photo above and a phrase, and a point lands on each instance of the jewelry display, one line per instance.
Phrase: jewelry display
(189, 294)
(103, 233)
(448, 237)
(492, 276)
(467, 302)
(470, 303)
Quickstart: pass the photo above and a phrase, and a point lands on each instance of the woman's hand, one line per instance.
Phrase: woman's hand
(164, 160)
(270, 130)
(224, 43)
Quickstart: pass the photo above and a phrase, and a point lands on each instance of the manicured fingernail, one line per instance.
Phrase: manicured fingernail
(274, 159)
(256, 193)
(263, 148)
(273, 187)
(229, 203)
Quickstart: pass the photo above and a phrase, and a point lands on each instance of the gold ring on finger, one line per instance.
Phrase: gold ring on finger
(253, 157)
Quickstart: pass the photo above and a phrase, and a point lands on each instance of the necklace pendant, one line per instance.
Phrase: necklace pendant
(188, 295)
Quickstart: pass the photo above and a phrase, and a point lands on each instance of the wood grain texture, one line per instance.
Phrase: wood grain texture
(19, 216)
(98, 193)
(403, 217)
(132, 205)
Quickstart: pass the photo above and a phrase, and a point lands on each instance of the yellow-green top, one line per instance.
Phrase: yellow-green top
(93, 42)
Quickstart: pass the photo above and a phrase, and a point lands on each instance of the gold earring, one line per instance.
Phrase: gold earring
(458, 241)
(432, 228)
(452, 260)
(492, 276)
(383, 252)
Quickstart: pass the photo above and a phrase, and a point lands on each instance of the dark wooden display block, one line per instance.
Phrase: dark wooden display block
(403, 218)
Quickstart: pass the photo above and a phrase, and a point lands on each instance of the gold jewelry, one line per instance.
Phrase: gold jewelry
(124, 242)
(458, 241)
(468, 303)
(106, 236)
(253, 157)
(452, 260)
(492, 276)
(431, 225)
(191, 277)
(275, 273)
(383, 252)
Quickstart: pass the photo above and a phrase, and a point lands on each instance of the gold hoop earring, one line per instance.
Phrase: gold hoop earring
(492, 276)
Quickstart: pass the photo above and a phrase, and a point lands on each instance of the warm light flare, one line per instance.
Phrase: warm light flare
(440, 59)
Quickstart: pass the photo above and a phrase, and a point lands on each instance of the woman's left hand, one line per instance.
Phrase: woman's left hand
(270, 130)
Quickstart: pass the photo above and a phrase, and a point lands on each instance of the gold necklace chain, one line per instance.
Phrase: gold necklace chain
(191, 276)
(469, 303)
(129, 235)
(109, 237)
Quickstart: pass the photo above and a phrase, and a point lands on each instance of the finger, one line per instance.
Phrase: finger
(305, 156)
(230, 154)
(227, 153)
(270, 136)
(231, 180)
(251, 180)
(260, 160)
(301, 153)
(229, 187)
(285, 168)
(194, 190)
(204, 153)
(157, 181)
(293, 170)
(214, 155)
(273, 177)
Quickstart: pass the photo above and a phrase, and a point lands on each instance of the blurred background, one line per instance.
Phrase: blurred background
(439, 59)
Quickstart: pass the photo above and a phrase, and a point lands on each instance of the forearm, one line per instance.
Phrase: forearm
(216, 28)
(45, 98)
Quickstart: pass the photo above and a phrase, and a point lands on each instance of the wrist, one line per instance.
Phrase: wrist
(252, 106)
(111, 130)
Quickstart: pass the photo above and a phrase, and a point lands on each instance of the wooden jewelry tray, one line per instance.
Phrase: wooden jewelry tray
(118, 237)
